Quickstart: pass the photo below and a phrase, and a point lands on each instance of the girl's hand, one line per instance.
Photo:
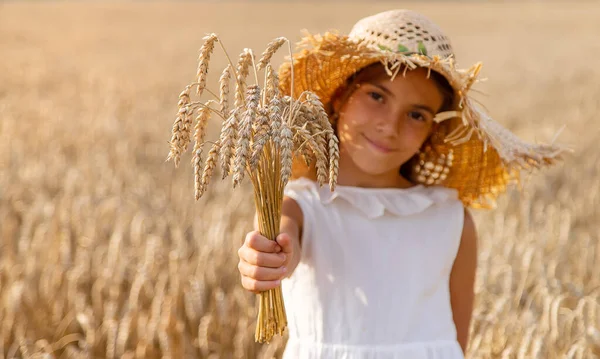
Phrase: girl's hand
(263, 262)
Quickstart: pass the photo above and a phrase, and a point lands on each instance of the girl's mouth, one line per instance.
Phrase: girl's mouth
(378, 146)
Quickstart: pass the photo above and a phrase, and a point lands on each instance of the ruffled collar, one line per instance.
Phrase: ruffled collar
(375, 202)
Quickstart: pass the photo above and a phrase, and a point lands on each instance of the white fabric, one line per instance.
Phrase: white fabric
(373, 281)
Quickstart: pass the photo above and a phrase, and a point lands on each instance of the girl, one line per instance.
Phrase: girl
(384, 266)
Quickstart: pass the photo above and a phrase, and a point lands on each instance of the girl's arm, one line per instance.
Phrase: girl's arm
(291, 224)
(462, 281)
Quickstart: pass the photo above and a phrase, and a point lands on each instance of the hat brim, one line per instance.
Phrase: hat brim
(487, 157)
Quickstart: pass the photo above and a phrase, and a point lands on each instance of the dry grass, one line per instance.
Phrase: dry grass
(105, 253)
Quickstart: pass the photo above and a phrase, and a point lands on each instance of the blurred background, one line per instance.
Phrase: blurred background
(105, 253)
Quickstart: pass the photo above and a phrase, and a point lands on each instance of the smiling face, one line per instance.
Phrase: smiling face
(383, 123)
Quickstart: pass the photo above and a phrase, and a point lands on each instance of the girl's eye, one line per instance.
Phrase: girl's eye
(376, 96)
(415, 115)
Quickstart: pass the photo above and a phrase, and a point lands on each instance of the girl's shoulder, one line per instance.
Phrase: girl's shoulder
(375, 202)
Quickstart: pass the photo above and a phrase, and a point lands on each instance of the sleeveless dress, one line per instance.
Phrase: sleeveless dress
(373, 280)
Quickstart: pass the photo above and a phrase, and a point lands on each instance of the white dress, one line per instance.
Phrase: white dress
(373, 281)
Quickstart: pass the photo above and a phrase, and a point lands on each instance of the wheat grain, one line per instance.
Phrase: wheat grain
(181, 128)
(224, 90)
(203, 60)
(321, 159)
(227, 142)
(200, 128)
(275, 116)
(261, 137)
(319, 135)
(287, 144)
(322, 118)
(271, 84)
(243, 66)
(271, 49)
(209, 166)
(334, 156)
(198, 171)
(245, 134)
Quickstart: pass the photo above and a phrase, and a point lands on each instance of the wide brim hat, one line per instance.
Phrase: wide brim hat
(468, 150)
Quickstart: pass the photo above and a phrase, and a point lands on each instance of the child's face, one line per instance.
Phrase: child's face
(384, 123)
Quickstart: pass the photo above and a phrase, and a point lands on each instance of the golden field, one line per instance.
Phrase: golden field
(105, 253)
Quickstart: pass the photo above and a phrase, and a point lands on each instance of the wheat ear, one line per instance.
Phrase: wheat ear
(227, 141)
(203, 60)
(287, 144)
(224, 90)
(201, 124)
(321, 159)
(181, 130)
(243, 67)
(209, 167)
(261, 136)
(245, 134)
(198, 173)
(322, 119)
(271, 84)
(272, 48)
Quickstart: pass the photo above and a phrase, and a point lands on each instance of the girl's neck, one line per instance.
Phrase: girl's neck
(350, 175)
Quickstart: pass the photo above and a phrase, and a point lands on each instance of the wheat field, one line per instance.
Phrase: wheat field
(104, 253)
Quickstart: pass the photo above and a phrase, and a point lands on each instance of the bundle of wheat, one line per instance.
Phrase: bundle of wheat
(259, 138)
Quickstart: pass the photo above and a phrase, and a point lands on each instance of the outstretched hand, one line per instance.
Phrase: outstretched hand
(263, 262)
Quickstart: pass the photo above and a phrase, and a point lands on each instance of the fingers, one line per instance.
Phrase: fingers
(260, 251)
(261, 259)
(260, 243)
(256, 286)
(285, 242)
(263, 262)
(261, 273)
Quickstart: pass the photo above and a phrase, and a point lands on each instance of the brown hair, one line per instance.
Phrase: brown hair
(368, 73)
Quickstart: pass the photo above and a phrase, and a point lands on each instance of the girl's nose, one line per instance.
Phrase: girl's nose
(388, 124)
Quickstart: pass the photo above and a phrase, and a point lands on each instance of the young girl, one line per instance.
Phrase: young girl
(384, 266)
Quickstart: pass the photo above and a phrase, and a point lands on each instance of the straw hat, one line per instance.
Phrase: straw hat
(468, 151)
